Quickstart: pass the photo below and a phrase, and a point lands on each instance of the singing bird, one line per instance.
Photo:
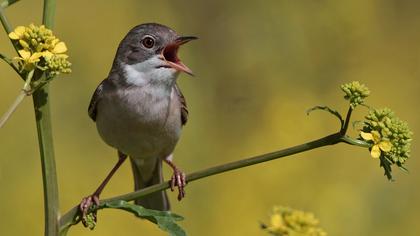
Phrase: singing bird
(140, 110)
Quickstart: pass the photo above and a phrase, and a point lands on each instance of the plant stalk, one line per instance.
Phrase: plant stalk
(43, 123)
(46, 149)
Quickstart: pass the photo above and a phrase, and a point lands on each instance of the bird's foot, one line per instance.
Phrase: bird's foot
(178, 179)
(89, 218)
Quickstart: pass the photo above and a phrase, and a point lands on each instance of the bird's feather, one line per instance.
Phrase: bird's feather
(184, 108)
(92, 110)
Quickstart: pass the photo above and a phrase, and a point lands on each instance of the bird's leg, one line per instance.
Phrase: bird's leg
(93, 199)
(177, 179)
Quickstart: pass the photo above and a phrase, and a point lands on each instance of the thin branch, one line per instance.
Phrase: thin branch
(347, 121)
(71, 217)
(6, 25)
(355, 142)
(7, 3)
(12, 108)
(10, 62)
(23, 93)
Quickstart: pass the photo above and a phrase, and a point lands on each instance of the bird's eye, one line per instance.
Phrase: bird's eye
(148, 42)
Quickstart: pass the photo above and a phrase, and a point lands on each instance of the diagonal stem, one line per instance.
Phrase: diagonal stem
(71, 217)
(23, 93)
(6, 25)
(10, 62)
(7, 3)
(8, 28)
(347, 121)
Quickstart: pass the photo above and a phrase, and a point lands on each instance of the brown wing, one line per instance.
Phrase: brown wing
(184, 108)
(92, 110)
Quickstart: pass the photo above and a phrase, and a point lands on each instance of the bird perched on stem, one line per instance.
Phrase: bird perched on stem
(139, 110)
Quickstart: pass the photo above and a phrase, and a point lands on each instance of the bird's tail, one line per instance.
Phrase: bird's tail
(146, 175)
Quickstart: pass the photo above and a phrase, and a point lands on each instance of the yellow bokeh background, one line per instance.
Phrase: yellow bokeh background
(259, 65)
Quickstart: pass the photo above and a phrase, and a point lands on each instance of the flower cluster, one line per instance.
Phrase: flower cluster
(390, 138)
(289, 222)
(355, 93)
(39, 48)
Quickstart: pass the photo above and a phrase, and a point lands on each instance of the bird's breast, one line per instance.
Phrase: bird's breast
(144, 123)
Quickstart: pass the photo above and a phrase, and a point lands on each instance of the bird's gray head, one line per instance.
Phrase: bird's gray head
(148, 53)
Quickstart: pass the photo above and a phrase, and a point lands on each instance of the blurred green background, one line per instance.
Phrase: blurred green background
(259, 65)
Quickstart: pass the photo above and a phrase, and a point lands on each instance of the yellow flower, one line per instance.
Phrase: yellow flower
(60, 48)
(39, 48)
(47, 54)
(18, 33)
(28, 59)
(378, 143)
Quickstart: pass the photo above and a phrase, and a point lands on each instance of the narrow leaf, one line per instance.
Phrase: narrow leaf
(327, 109)
(386, 164)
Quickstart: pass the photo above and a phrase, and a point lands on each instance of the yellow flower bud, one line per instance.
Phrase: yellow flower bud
(23, 43)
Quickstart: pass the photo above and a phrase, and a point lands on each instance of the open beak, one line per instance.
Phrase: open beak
(169, 54)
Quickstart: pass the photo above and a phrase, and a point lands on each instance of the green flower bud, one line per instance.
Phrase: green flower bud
(90, 221)
(355, 93)
(24, 44)
(391, 129)
(57, 64)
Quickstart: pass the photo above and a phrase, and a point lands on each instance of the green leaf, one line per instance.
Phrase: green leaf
(386, 164)
(164, 219)
(327, 109)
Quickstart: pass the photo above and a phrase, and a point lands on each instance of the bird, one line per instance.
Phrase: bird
(139, 110)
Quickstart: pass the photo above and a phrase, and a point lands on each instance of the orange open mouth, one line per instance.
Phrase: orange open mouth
(170, 54)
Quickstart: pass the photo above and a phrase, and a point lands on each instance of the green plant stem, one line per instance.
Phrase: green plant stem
(23, 93)
(7, 3)
(6, 25)
(70, 218)
(10, 62)
(347, 121)
(46, 148)
(49, 13)
(8, 28)
(43, 122)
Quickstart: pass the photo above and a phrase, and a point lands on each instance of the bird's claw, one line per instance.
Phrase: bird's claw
(178, 179)
(89, 218)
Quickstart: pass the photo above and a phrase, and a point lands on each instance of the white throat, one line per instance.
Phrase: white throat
(150, 72)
